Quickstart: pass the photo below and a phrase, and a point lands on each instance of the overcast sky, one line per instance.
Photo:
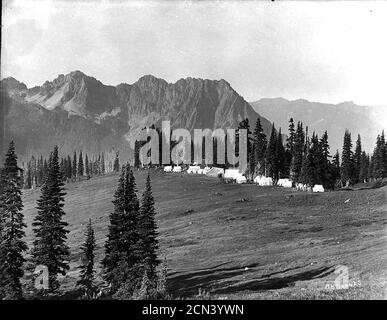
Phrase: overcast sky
(324, 51)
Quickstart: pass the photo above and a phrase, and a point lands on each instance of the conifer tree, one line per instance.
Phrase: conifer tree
(364, 164)
(311, 167)
(281, 157)
(28, 182)
(324, 161)
(298, 153)
(86, 281)
(103, 164)
(99, 171)
(357, 159)
(80, 165)
(62, 167)
(87, 169)
(146, 291)
(260, 144)
(347, 172)
(291, 141)
(91, 169)
(271, 152)
(116, 166)
(335, 170)
(380, 158)
(40, 171)
(12, 227)
(147, 229)
(69, 168)
(371, 168)
(49, 245)
(74, 166)
(121, 249)
(162, 286)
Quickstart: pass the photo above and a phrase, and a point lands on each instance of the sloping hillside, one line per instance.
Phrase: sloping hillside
(244, 240)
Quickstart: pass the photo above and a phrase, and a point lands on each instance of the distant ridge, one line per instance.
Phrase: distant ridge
(334, 118)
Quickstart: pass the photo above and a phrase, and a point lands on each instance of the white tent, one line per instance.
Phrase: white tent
(215, 172)
(167, 168)
(206, 169)
(263, 181)
(318, 188)
(193, 169)
(232, 173)
(286, 183)
(241, 179)
(177, 169)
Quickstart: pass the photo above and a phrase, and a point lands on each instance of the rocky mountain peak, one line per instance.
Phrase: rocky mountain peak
(12, 85)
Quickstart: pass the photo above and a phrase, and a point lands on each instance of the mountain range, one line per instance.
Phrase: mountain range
(78, 112)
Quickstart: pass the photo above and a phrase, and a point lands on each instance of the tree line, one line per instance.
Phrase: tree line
(306, 159)
(130, 262)
(302, 157)
(71, 168)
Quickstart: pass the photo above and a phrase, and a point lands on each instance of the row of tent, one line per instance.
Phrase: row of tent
(287, 183)
(234, 174)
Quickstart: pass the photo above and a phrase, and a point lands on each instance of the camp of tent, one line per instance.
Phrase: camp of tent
(238, 177)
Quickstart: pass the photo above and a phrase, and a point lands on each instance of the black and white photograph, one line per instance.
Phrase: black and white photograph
(178, 151)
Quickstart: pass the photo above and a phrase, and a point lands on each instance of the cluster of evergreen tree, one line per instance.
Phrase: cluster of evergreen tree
(131, 247)
(308, 161)
(358, 166)
(35, 172)
(131, 250)
(79, 166)
(71, 168)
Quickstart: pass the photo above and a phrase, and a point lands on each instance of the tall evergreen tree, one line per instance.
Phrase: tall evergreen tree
(324, 161)
(364, 164)
(311, 167)
(12, 227)
(271, 153)
(371, 168)
(87, 169)
(103, 164)
(298, 153)
(147, 229)
(289, 147)
(280, 157)
(335, 170)
(69, 168)
(116, 166)
(260, 144)
(80, 165)
(380, 158)
(86, 281)
(291, 141)
(357, 159)
(62, 167)
(29, 178)
(347, 168)
(49, 245)
(74, 166)
(121, 249)
(40, 171)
